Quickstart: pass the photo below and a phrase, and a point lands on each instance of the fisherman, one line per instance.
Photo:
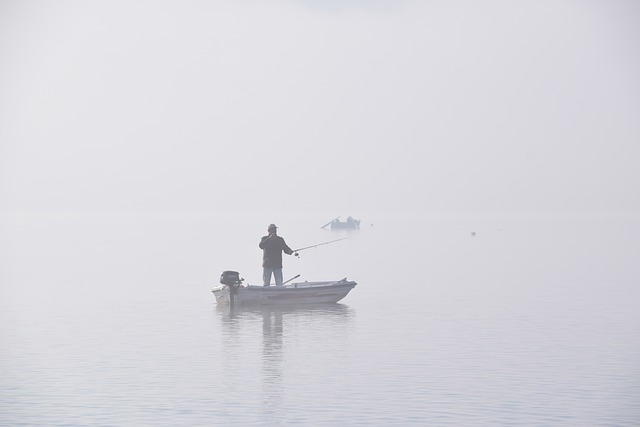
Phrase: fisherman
(272, 247)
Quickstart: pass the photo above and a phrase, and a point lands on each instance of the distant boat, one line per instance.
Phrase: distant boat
(349, 224)
(288, 294)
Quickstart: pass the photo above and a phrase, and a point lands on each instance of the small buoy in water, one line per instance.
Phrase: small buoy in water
(473, 234)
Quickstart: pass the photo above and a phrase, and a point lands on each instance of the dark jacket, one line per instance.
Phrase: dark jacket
(272, 251)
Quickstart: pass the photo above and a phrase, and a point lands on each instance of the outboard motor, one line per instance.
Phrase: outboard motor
(233, 281)
(230, 278)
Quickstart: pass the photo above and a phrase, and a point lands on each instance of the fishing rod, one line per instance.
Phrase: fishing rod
(314, 246)
(335, 219)
(294, 277)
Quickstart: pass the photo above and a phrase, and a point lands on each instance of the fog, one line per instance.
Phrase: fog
(146, 145)
(355, 107)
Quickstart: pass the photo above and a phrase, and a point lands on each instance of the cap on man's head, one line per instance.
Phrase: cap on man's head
(272, 227)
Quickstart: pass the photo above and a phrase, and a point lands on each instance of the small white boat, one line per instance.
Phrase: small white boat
(349, 224)
(288, 294)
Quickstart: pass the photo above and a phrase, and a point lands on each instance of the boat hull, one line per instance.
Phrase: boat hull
(353, 225)
(292, 294)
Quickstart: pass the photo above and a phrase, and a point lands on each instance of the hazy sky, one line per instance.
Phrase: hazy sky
(349, 107)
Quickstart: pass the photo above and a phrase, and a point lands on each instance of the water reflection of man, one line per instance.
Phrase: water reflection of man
(272, 247)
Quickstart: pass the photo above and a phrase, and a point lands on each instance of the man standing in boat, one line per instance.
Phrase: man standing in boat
(272, 247)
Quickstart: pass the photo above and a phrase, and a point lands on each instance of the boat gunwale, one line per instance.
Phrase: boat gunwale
(301, 286)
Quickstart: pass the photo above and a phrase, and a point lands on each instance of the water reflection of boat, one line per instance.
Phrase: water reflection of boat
(250, 364)
(253, 312)
(289, 294)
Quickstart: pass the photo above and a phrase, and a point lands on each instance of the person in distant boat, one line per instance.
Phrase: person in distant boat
(272, 248)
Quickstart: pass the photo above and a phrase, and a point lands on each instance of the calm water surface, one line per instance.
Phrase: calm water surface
(109, 321)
